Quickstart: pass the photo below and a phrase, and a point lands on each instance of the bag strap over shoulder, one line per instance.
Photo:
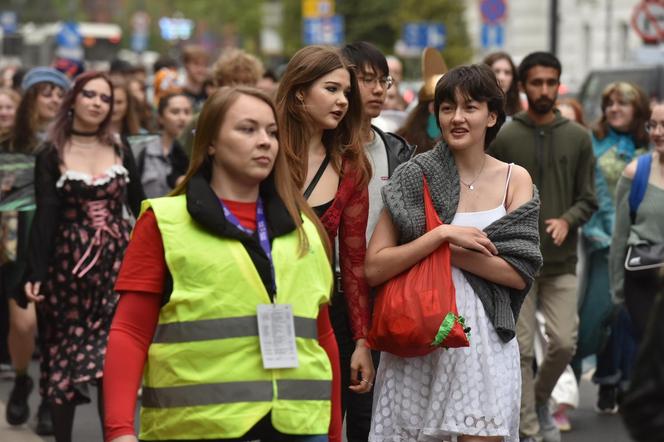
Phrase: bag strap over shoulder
(639, 184)
(319, 173)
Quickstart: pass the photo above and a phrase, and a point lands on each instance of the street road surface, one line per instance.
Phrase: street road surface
(587, 425)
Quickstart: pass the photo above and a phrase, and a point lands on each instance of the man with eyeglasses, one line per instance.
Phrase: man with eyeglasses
(385, 152)
(558, 155)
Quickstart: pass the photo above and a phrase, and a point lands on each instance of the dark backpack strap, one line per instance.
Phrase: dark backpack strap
(639, 184)
(316, 178)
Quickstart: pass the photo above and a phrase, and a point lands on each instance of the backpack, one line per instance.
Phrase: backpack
(639, 184)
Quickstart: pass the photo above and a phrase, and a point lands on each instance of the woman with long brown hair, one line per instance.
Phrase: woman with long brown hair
(503, 67)
(125, 120)
(319, 109)
(43, 89)
(233, 253)
(78, 237)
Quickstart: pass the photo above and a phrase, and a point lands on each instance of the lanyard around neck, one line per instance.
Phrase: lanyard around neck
(263, 238)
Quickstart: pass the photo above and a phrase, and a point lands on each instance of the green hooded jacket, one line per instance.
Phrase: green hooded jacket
(559, 158)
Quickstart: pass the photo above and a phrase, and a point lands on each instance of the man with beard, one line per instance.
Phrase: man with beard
(558, 155)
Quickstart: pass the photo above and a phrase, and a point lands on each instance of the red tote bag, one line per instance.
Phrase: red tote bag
(415, 312)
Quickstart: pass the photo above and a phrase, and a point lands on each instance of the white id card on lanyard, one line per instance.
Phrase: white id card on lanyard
(276, 332)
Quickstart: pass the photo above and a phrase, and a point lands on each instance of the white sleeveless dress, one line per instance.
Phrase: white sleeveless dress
(459, 391)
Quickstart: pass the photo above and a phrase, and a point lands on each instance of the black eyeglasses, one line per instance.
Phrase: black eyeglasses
(92, 94)
(369, 81)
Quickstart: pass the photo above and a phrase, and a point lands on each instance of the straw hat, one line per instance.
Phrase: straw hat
(433, 68)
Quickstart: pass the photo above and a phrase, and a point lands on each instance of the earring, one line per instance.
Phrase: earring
(70, 113)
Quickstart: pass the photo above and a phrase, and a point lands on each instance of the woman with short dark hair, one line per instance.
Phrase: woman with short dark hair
(490, 213)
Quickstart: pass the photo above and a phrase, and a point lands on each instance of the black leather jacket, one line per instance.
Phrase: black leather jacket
(398, 149)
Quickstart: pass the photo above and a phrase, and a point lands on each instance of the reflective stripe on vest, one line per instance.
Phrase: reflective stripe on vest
(224, 328)
(231, 392)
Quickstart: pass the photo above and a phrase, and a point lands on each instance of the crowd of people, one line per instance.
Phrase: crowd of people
(210, 245)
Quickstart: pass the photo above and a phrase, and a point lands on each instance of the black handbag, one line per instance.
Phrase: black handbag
(644, 257)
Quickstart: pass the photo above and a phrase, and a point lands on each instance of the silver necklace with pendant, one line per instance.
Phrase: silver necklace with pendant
(470, 185)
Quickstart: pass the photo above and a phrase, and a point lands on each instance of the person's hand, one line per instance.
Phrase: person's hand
(470, 238)
(125, 438)
(558, 228)
(32, 291)
(361, 363)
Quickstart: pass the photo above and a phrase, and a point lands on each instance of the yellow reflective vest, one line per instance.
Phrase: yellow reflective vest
(204, 376)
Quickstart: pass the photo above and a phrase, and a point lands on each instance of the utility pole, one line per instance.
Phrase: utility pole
(553, 27)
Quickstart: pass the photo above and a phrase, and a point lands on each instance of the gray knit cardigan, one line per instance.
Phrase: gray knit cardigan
(516, 235)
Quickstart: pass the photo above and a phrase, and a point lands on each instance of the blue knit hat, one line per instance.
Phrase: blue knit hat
(45, 75)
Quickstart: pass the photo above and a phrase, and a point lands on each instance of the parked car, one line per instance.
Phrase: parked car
(650, 78)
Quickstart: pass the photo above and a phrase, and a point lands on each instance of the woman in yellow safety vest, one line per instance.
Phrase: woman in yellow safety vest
(225, 286)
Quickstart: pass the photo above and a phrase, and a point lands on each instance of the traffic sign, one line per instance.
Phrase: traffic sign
(69, 41)
(317, 8)
(422, 35)
(175, 28)
(493, 11)
(323, 30)
(8, 22)
(69, 36)
(139, 42)
(648, 21)
(493, 36)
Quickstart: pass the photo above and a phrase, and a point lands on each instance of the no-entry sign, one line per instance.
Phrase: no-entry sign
(648, 20)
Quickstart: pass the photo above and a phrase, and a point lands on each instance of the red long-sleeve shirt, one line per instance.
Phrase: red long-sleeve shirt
(141, 281)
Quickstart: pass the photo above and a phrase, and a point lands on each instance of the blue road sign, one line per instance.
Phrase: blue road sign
(69, 36)
(493, 36)
(139, 41)
(8, 22)
(422, 35)
(323, 30)
(69, 41)
(175, 28)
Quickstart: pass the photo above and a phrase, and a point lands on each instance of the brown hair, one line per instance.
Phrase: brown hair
(26, 123)
(194, 53)
(414, 129)
(165, 100)
(131, 124)
(236, 67)
(639, 101)
(343, 143)
(61, 131)
(209, 124)
(512, 101)
(16, 99)
(576, 107)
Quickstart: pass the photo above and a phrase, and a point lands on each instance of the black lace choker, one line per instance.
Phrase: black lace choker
(84, 134)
